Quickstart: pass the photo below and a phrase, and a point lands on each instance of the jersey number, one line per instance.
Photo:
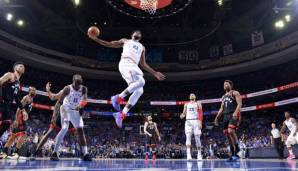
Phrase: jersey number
(75, 100)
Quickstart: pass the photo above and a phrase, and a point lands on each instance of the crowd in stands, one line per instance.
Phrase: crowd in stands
(106, 141)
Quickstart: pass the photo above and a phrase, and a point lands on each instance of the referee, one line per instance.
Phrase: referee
(276, 140)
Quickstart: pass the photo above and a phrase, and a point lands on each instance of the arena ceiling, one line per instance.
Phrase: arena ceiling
(61, 25)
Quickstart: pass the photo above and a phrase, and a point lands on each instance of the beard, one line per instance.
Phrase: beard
(136, 37)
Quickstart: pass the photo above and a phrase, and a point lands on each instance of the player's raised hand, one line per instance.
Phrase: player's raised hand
(160, 76)
(48, 86)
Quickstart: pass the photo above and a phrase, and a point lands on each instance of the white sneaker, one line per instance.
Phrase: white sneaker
(199, 158)
(3, 155)
(189, 157)
(14, 156)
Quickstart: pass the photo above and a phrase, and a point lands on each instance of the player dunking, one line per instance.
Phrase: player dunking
(193, 112)
(70, 103)
(152, 135)
(133, 54)
(292, 139)
(55, 125)
(230, 107)
(19, 126)
(9, 92)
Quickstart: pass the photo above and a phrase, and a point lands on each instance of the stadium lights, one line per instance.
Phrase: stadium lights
(220, 3)
(288, 18)
(77, 2)
(20, 23)
(9, 16)
(279, 24)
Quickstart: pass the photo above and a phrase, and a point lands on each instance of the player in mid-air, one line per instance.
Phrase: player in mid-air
(9, 92)
(55, 125)
(133, 54)
(231, 110)
(19, 126)
(70, 103)
(292, 139)
(193, 112)
(152, 135)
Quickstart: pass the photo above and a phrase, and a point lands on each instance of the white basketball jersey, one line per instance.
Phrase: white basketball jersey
(192, 111)
(290, 125)
(133, 50)
(73, 99)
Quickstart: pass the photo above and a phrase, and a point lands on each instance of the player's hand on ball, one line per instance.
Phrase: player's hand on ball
(48, 86)
(159, 76)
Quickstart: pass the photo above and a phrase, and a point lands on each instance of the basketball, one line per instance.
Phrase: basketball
(93, 31)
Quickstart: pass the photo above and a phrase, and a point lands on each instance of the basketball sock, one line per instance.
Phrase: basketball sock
(188, 151)
(125, 110)
(85, 150)
(123, 94)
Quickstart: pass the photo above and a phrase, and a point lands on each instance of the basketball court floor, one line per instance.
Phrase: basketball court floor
(141, 165)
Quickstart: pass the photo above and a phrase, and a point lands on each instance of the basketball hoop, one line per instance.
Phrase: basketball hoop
(149, 6)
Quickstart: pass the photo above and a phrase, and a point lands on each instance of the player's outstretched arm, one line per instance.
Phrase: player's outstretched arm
(146, 67)
(52, 96)
(110, 44)
(183, 114)
(65, 92)
(219, 114)
(5, 78)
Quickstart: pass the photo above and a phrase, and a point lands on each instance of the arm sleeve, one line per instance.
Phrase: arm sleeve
(200, 114)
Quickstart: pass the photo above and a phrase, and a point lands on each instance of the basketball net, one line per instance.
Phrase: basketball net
(149, 6)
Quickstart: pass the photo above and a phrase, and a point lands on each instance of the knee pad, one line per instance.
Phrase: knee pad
(188, 139)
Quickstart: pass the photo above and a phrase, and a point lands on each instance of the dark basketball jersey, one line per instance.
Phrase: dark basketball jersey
(151, 128)
(229, 103)
(9, 91)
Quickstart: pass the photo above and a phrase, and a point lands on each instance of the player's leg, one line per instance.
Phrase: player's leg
(8, 145)
(197, 133)
(21, 139)
(42, 142)
(153, 147)
(188, 134)
(78, 124)
(5, 121)
(131, 102)
(232, 132)
(64, 128)
(289, 143)
(148, 146)
(134, 78)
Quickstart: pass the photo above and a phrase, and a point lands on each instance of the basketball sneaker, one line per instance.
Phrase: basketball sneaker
(3, 155)
(199, 158)
(189, 157)
(116, 102)
(86, 157)
(291, 157)
(119, 116)
(55, 157)
(14, 156)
